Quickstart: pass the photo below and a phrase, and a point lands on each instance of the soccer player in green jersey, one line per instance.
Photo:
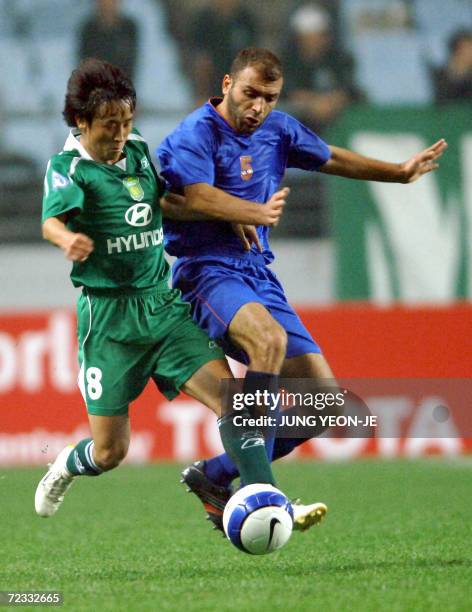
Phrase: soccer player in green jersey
(101, 206)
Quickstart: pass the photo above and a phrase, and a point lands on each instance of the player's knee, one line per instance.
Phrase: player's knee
(110, 457)
(279, 341)
(270, 342)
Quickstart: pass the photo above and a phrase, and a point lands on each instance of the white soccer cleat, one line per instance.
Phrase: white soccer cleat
(52, 487)
(305, 516)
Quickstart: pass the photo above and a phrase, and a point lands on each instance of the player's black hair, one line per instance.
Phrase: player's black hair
(266, 62)
(93, 83)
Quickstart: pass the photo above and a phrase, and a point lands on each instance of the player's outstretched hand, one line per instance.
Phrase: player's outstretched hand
(248, 235)
(423, 162)
(273, 209)
(77, 247)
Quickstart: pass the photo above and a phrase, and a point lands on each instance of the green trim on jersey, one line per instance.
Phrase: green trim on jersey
(117, 206)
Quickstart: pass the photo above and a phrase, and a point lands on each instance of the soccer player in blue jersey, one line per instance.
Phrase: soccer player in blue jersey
(228, 159)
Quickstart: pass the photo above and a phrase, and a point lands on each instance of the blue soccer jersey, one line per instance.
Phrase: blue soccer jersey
(204, 148)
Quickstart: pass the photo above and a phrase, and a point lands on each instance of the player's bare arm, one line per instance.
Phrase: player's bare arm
(214, 203)
(76, 247)
(353, 165)
(174, 207)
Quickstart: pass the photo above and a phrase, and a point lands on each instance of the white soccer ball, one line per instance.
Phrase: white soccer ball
(258, 519)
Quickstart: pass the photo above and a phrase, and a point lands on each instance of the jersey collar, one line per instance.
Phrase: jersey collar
(73, 143)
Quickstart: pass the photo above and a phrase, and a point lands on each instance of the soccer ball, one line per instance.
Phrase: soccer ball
(258, 519)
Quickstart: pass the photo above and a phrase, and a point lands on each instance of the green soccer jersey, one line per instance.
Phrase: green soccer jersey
(117, 206)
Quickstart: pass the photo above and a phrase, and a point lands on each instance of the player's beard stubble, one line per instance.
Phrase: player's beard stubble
(240, 118)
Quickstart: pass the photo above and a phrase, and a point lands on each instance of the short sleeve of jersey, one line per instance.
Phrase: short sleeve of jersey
(61, 193)
(306, 150)
(186, 157)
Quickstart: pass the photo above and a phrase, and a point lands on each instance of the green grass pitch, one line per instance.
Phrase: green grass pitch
(398, 536)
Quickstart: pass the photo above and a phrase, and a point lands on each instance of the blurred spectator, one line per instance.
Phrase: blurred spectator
(319, 76)
(110, 36)
(453, 82)
(319, 85)
(389, 53)
(379, 15)
(221, 30)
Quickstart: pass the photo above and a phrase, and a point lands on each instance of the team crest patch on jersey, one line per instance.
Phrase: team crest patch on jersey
(144, 163)
(246, 167)
(133, 186)
(59, 181)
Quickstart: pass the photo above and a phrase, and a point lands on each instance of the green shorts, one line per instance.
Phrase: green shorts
(126, 339)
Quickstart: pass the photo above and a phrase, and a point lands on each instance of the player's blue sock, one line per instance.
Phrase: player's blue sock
(284, 446)
(80, 461)
(221, 469)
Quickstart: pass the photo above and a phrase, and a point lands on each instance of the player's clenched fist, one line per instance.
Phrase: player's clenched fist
(77, 247)
(273, 209)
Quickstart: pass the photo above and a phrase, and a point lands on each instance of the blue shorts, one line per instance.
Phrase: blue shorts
(216, 288)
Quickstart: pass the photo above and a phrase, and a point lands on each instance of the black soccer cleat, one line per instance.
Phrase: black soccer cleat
(212, 496)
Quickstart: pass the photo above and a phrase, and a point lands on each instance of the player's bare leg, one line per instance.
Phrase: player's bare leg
(92, 456)
(311, 365)
(256, 331)
(205, 384)
(111, 436)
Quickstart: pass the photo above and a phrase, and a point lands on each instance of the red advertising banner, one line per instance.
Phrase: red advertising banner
(42, 410)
